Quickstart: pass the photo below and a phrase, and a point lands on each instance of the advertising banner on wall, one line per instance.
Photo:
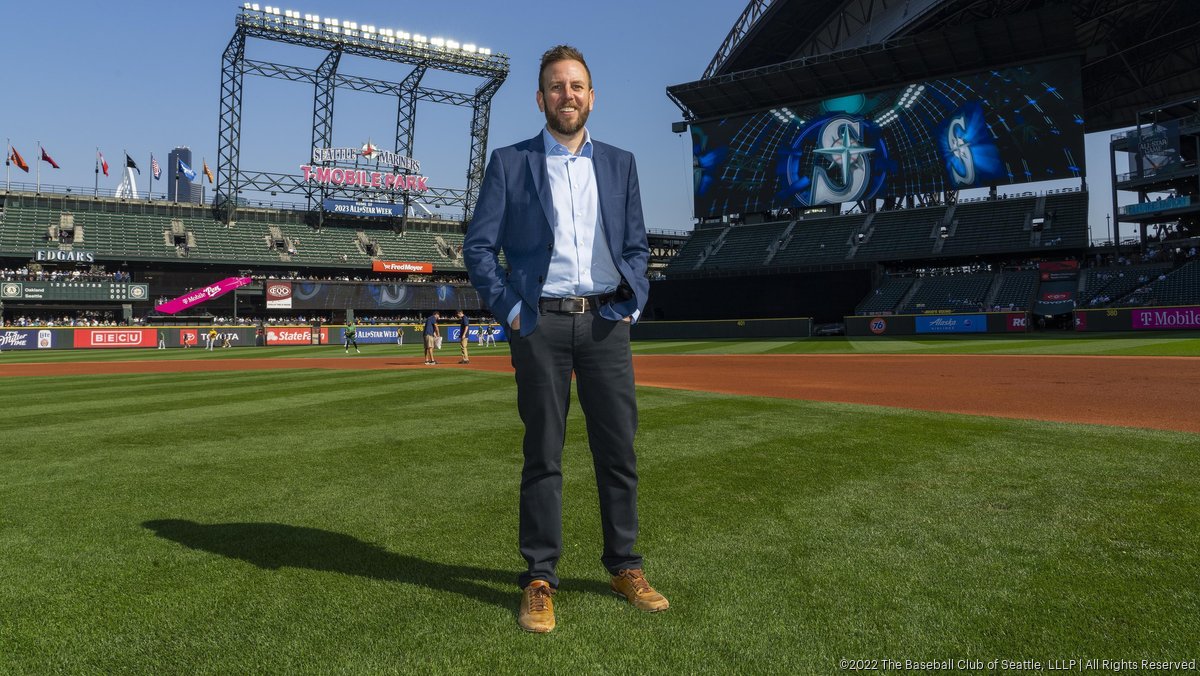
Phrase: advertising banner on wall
(295, 335)
(374, 334)
(365, 296)
(1016, 322)
(1055, 298)
(474, 333)
(401, 267)
(1167, 318)
(279, 295)
(105, 338)
(27, 339)
(952, 324)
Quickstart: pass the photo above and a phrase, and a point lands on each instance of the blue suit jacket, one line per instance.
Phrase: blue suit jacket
(514, 215)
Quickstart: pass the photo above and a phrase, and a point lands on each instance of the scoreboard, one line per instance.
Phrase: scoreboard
(73, 291)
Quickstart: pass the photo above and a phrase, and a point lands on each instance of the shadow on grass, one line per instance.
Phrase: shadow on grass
(274, 545)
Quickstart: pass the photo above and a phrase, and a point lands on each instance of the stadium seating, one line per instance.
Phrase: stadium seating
(886, 297)
(992, 226)
(903, 233)
(1068, 220)
(1017, 290)
(1110, 284)
(1179, 287)
(161, 231)
(694, 250)
(745, 246)
(949, 292)
(973, 228)
(819, 240)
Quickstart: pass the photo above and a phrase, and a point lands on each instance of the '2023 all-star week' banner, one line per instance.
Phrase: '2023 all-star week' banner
(1004, 126)
(203, 295)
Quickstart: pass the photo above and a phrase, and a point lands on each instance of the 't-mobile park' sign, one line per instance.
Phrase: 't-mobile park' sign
(364, 179)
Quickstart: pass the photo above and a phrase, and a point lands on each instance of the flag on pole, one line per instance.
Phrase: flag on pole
(46, 158)
(18, 160)
(103, 162)
(154, 168)
(131, 164)
(208, 172)
(186, 170)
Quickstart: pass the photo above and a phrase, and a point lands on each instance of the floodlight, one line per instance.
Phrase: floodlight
(438, 42)
(420, 38)
(403, 35)
(254, 6)
(470, 48)
(267, 9)
(485, 51)
(245, 5)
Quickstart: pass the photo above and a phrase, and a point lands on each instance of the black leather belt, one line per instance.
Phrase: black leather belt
(574, 305)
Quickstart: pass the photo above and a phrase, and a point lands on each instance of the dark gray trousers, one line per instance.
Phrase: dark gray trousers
(597, 351)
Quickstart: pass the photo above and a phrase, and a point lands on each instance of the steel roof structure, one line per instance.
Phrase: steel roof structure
(1136, 54)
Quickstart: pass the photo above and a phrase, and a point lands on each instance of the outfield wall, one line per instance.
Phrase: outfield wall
(87, 338)
(791, 328)
(938, 324)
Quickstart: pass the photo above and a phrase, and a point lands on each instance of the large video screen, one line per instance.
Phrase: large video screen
(1005, 126)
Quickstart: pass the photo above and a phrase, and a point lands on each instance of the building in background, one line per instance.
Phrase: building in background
(188, 190)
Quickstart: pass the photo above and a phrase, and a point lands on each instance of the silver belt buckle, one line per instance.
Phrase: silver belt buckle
(582, 305)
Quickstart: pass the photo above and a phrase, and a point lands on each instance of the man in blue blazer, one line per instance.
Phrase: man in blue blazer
(566, 212)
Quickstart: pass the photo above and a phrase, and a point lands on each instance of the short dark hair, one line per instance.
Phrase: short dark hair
(562, 53)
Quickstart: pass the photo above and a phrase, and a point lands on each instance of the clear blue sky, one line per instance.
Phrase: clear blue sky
(145, 77)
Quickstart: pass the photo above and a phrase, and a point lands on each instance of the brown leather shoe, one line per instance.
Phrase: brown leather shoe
(633, 586)
(537, 608)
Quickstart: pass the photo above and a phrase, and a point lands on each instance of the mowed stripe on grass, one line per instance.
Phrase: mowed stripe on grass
(364, 521)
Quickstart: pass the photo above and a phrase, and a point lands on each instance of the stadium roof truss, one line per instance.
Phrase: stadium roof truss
(958, 49)
(1136, 54)
(335, 40)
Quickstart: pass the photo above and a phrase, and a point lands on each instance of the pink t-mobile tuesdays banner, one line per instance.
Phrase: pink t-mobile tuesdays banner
(215, 290)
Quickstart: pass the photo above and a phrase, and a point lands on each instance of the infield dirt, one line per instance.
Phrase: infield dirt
(1148, 392)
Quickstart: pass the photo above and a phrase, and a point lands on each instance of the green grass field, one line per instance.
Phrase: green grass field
(311, 521)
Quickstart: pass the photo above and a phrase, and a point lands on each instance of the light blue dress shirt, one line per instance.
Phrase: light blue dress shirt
(581, 263)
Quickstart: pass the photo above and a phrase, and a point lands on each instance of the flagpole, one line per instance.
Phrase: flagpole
(96, 183)
(8, 166)
(150, 180)
(39, 171)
